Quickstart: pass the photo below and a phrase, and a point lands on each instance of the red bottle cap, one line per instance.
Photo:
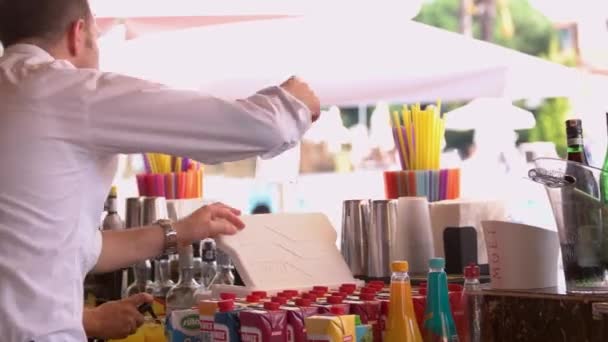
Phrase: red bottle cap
(318, 293)
(471, 271)
(335, 300)
(323, 289)
(377, 287)
(272, 306)
(303, 302)
(281, 294)
(225, 305)
(292, 293)
(367, 296)
(252, 299)
(313, 296)
(308, 296)
(350, 286)
(279, 300)
(347, 290)
(261, 294)
(376, 283)
(369, 290)
(227, 296)
(337, 310)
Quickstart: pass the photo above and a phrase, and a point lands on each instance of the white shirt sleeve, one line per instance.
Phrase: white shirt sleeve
(129, 115)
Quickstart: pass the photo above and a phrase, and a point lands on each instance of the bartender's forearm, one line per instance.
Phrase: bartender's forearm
(90, 322)
(124, 248)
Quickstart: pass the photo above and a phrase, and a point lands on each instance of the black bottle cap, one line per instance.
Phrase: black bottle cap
(574, 128)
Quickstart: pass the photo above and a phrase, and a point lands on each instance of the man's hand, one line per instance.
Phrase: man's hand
(208, 221)
(117, 319)
(301, 91)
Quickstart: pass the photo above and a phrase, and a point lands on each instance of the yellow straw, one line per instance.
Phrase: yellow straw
(407, 120)
(397, 125)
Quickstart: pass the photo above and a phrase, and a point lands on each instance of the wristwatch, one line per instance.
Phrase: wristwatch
(170, 236)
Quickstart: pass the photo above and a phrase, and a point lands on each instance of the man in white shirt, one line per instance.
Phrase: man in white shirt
(62, 124)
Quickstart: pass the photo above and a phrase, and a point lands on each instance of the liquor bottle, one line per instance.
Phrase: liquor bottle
(142, 272)
(181, 296)
(225, 275)
(161, 286)
(107, 286)
(582, 223)
(604, 176)
(209, 258)
(197, 261)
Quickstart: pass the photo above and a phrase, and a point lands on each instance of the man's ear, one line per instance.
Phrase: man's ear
(76, 37)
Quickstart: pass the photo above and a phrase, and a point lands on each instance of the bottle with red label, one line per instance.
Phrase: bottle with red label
(267, 325)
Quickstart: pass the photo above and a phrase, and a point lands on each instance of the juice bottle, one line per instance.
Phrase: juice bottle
(438, 321)
(401, 323)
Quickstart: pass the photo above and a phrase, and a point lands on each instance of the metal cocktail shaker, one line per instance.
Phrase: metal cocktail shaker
(379, 238)
(355, 222)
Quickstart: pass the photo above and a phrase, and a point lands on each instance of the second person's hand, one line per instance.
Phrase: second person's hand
(300, 90)
(209, 221)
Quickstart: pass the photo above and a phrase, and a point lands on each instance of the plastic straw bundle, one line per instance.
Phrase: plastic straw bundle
(171, 177)
(418, 134)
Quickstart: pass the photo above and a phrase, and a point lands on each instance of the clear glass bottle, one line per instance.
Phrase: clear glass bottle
(142, 272)
(181, 296)
(225, 275)
(209, 260)
(161, 285)
(471, 330)
(197, 261)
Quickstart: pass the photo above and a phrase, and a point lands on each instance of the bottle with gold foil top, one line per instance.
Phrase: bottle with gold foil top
(401, 323)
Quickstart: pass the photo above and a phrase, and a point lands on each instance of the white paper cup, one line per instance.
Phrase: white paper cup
(413, 238)
(521, 256)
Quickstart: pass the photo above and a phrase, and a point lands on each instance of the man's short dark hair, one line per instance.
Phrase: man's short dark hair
(44, 20)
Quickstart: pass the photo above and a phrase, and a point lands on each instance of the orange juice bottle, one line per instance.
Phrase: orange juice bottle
(401, 323)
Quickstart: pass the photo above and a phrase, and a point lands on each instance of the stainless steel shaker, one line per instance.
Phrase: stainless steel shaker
(135, 206)
(355, 222)
(154, 209)
(381, 228)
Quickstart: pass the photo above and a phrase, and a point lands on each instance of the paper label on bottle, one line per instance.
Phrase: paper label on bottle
(290, 333)
(251, 334)
(220, 332)
(575, 141)
(327, 338)
(207, 328)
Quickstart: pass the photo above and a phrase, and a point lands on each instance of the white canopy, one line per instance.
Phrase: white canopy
(347, 61)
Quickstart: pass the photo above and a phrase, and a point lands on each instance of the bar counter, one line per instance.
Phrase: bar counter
(542, 315)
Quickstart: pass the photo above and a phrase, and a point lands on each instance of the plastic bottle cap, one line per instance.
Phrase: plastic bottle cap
(292, 293)
(279, 300)
(369, 290)
(303, 302)
(340, 294)
(313, 296)
(225, 305)
(349, 286)
(261, 294)
(323, 289)
(307, 296)
(335, 300)
(376, 282)
(337, 310)
(399, 266)
(367, 296)
(377, 287)
(471, 271)
(272, 306)
(437, 263)
(319, 293)
(227, 296)
(252, 299)
(347, 290)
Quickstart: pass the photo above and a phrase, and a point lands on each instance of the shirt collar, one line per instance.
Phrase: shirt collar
(29, 49)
